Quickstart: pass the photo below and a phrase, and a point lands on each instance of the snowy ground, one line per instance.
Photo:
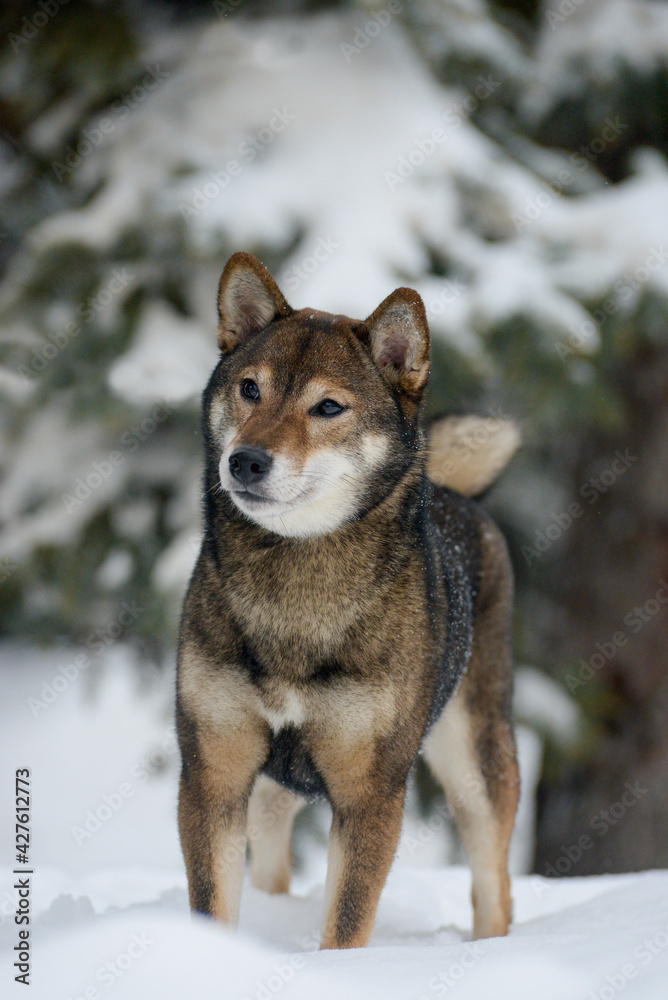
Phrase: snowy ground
(108, 893)
(129, 930)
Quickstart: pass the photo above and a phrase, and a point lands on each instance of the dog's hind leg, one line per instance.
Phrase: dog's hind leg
(471, 748)
(271, 813)
(484, 819)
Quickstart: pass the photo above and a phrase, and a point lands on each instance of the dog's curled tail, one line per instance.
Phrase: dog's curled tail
(467, 453)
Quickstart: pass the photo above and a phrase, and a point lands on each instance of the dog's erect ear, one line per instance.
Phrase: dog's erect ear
(248, 300)
(398, 336)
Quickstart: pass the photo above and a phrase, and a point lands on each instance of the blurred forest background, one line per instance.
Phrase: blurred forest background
(506, 159)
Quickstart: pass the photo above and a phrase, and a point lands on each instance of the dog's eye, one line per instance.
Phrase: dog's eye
(249, 390)
(328, 408)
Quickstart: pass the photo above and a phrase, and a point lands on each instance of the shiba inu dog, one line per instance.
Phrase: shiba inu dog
(346, 612)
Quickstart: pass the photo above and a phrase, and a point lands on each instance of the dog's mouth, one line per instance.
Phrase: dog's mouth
(257, 501)
(255, 498)
(251, 497)
(253, 503)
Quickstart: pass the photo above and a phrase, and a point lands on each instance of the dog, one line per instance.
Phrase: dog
(347, 612)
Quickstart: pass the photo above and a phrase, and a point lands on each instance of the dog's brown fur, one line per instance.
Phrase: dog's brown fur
(339, 625)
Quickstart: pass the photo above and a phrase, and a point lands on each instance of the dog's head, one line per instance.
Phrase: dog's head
(312, 418)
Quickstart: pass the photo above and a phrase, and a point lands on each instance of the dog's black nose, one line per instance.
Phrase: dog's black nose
(249, 465)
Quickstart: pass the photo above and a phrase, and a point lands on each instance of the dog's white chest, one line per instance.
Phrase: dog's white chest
(288, 709)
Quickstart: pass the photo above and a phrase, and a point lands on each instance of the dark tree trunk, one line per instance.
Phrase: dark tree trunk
(614, 635)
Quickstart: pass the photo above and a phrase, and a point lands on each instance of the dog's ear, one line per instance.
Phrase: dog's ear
(398, 337)
(248, 300)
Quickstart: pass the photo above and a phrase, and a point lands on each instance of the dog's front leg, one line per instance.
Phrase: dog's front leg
(362, 844)
(215, 786)
(213, 839)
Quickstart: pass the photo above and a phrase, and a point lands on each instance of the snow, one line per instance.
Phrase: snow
(583, 43)
(110, 905)
(577, 937)
(629, 236)
(540, 699)
(345, 197)
(173, 568)
(147, 370)
(275, 171)
(464, 28)
(115, 570)
(55, 452)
